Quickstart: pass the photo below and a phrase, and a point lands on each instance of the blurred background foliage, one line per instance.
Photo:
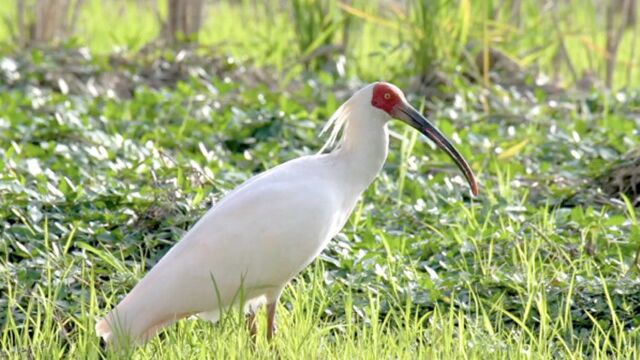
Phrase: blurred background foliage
(580, 42)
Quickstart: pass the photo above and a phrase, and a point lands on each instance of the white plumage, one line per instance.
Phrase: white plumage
(263, 233)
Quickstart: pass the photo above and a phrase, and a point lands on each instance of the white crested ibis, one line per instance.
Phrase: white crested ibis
(263, 233)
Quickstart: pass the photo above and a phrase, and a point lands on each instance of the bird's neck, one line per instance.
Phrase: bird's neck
(363, 150)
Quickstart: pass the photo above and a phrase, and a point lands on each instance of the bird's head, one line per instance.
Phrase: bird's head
(389, 99)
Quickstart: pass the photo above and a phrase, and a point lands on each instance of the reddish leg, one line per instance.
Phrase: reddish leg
(271, 319)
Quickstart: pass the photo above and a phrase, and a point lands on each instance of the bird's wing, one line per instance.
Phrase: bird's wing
(254, 240)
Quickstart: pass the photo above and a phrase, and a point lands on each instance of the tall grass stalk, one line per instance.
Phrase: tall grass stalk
(317, 25)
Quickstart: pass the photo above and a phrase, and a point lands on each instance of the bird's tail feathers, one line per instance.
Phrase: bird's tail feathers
(103, 329)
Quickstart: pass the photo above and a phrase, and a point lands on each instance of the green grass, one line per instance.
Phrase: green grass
(94, 189)
(304, 331)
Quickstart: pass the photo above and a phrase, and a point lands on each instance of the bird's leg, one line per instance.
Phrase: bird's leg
(271, 319)
(252, 324)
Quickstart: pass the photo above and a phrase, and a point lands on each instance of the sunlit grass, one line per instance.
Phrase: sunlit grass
(387, 325)
(128, 24)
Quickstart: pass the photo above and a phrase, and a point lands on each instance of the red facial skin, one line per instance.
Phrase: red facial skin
(386, 97)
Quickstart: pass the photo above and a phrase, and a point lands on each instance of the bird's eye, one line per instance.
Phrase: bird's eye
(387, 96)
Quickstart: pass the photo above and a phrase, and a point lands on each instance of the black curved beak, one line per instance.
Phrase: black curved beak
(411, 116)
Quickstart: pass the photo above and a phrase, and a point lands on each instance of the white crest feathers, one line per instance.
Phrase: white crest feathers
(336, 124)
